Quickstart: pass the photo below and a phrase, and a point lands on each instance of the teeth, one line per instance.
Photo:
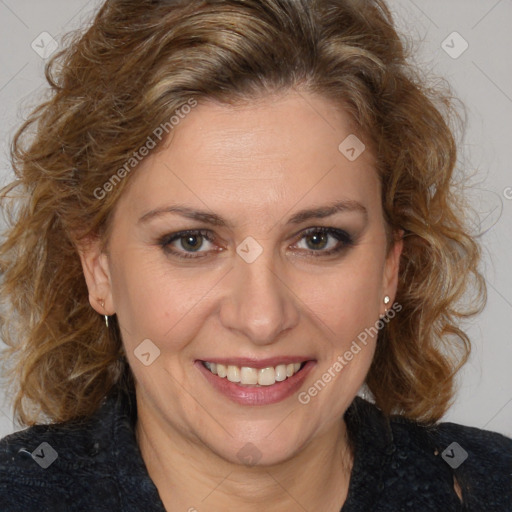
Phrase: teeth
(222, 370)
(266, 376)
(234, 373)
(248, 375)
(253, 376)
(212, 367)
(280, 372)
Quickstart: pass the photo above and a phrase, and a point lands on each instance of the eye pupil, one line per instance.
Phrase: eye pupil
(321, 237)
(189, 242)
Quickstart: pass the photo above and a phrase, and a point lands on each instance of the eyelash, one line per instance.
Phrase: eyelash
(344, 239)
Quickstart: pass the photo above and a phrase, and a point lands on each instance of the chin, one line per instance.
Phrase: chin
(258, 452)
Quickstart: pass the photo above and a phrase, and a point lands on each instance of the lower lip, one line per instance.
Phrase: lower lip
(263, 395)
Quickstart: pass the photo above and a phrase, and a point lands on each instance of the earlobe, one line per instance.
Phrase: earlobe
(96, 269)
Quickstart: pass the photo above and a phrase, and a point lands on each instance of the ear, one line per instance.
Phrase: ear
(95, 265)
(392, 266)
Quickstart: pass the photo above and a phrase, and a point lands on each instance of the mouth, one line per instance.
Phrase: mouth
(253, 382)
(254, 377)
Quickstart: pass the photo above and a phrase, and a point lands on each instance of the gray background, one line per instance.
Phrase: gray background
(481, 77)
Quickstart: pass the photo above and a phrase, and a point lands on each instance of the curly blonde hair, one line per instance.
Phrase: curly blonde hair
(134, 67)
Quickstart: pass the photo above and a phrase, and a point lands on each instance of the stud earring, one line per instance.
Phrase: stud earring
(386, 301)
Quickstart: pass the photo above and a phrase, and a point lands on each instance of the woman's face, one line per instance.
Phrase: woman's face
(268, 275)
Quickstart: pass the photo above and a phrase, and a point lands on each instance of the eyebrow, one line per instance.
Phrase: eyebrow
(216, 220)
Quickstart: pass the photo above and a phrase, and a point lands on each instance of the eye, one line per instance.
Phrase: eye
(325, 241)
(320, 241)
(185, 243)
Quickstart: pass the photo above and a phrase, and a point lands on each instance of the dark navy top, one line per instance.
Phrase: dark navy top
(95, 465)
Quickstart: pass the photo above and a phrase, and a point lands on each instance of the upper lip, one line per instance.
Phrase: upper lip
(257, 363)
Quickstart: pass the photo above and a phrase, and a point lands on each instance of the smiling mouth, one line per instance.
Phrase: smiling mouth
(254, 377)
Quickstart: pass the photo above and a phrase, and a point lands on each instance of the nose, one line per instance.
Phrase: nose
(260, 304)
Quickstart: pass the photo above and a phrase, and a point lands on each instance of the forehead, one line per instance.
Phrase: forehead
(260, 157)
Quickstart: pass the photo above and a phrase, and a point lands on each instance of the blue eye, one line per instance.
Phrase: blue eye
(320, 241)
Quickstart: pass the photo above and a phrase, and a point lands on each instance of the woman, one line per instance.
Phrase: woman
(232, 216)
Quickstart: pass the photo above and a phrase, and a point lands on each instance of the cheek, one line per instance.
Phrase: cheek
(156, 301)
(348, 298)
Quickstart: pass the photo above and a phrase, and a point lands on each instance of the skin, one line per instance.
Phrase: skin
(255, 165)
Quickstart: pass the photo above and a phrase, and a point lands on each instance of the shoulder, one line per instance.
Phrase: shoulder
(420, 466)
(90, 464)
(471, 449)
(55, 467)
(480, 461)
(36, 447)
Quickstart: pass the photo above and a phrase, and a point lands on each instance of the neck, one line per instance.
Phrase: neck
(191, 477)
